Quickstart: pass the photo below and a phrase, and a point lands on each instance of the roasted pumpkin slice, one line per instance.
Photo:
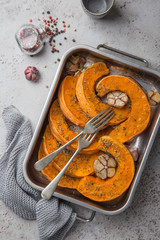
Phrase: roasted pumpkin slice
(140, 109)
(61, 131)
(81, 166)
(50, 172)
(106, 190)
(69, 103)
(88, 100)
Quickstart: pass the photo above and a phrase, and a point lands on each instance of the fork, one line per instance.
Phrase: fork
(92, 126)
(83, 142)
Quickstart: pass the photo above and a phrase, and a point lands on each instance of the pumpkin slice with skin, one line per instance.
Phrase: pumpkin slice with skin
(88, 100)
(81, 166)
(139, 116)
(69, 103)
(61, 131)
(100, 190)
(50, 172)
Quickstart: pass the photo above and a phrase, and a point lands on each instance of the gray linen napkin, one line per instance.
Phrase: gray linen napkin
(54, 218)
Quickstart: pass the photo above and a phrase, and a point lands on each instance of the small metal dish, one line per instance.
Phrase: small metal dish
(97, 8)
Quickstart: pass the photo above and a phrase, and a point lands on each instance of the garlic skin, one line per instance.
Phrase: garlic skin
(74, 64)
(117, 99)
(32, 74)
(133, 151)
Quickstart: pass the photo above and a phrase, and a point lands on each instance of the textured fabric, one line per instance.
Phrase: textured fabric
(54, 218)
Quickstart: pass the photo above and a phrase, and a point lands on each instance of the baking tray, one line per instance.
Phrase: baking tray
(123, 64)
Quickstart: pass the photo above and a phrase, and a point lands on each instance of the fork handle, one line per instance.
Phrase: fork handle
(51, 187)
(41, 164)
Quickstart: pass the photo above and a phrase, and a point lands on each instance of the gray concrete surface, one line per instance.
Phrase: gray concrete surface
(132, 26)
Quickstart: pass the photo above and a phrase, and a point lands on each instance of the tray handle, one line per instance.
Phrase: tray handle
(144, 62)
(86, 219)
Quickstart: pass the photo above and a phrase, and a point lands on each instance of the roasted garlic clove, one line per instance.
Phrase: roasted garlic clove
(74, 64)
(154, 97)
(105, 166)
(117, 99)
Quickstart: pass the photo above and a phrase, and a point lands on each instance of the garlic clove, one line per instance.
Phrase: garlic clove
(154, 97)
(112, 163)
(102, 174)
(111, 172)
(98, 166)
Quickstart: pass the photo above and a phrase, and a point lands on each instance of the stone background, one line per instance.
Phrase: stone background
(132, 26)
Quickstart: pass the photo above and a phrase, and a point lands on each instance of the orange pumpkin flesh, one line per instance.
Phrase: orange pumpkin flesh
(81, 166)
(88, 100)
(50, 172)
(140, 109)
(100, 190)
(69, 103)
(60, 129)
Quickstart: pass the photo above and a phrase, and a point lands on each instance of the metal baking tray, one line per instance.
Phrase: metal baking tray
(123, 64)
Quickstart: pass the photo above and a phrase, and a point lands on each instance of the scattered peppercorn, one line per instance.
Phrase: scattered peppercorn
(47, 86)
(75, 30)
(58, 60)
(53, 31)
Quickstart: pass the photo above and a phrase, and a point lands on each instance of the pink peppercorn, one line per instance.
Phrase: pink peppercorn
(30, 20)
(64, 25)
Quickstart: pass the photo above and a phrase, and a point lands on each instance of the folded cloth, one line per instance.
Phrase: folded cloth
(54, 217)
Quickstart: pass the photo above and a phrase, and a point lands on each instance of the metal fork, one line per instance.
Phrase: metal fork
(92, 126)
(83, 142)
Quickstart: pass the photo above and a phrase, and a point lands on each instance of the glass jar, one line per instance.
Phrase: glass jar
(31, 38)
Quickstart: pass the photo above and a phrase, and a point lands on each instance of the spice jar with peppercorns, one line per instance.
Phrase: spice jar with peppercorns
(31, 38)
